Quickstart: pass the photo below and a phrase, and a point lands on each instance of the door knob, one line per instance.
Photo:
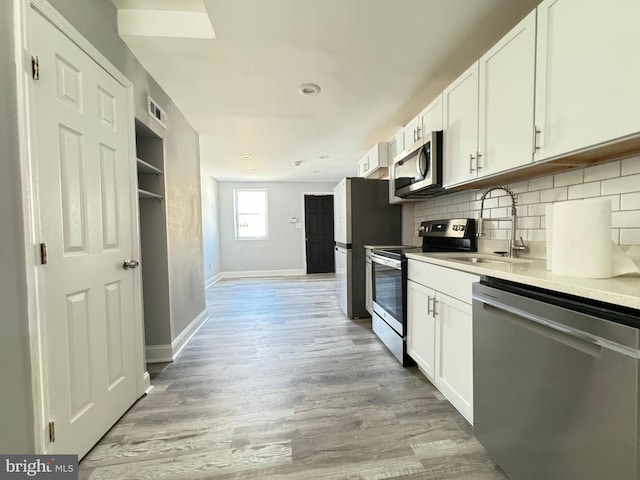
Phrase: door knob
(127, 264)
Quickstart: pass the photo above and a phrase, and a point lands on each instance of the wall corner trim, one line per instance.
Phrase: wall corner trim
(159, 353)
(213, 280)
(185, 336)
(168, 353)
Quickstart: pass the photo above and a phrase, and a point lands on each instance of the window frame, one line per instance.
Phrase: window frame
(236, 191)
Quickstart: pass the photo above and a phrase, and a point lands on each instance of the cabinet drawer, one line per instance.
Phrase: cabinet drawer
(451, 282)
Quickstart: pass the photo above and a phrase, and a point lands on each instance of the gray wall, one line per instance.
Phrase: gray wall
(16, 408)
(97, 21)
(210, 227)
(184, 218)
(284, 250)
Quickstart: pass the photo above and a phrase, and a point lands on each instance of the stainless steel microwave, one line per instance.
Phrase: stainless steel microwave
(417, 171)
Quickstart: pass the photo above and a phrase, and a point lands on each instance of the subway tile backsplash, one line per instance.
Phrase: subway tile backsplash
(619, 181)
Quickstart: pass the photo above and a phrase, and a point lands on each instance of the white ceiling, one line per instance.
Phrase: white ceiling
(378, 62)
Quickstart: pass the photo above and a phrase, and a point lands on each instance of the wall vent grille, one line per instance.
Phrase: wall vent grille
(157, 113)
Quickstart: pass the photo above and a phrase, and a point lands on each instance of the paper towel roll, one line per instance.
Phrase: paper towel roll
(549, 234)
(581, 239)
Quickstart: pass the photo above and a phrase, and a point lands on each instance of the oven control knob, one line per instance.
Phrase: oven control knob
(422, 228)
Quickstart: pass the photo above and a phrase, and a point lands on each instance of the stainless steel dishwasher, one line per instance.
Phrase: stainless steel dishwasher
(555, 383)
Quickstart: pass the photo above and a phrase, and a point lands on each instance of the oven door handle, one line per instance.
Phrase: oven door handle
(397, 264)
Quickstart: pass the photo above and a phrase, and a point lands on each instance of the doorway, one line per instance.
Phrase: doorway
(318, 221)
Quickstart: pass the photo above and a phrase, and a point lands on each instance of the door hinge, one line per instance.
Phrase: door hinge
(52, 432)
(35, 67)
(43, 254)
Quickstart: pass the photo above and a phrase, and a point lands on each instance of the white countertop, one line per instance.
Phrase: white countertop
(391, 246)
(623, 290)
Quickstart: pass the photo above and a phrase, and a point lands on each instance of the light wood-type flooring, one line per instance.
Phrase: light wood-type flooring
(280, 385)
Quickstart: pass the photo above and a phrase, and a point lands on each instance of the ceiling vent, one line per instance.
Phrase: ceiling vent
(158, 114)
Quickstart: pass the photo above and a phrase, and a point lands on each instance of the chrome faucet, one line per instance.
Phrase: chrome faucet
(514, 246)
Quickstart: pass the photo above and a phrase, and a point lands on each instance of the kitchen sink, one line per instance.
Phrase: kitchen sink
(488, 259)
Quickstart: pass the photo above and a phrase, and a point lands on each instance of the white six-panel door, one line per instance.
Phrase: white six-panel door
(81, 144)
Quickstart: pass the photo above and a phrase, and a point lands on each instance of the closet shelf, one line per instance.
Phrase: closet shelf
(145, 194)
(144, 167)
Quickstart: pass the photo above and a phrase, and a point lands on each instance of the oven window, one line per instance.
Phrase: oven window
(387, 289)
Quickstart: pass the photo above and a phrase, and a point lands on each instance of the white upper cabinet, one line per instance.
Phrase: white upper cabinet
(411, 132)
(396, 145)
(460, 122)
(506, 101)
(587, 74)
(488, 110)
(375, 164)
(430, 119)
(363, 165)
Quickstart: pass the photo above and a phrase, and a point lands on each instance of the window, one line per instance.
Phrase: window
(250, 214)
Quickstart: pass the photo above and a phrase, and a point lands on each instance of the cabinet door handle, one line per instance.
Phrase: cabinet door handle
(478, 155)
(418, 133)
(471, 159)
(431, 310)
(536, 132)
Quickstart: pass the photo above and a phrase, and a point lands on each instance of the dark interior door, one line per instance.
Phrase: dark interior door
(318, 221)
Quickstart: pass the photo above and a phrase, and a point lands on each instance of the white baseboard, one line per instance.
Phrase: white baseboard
(213, 280)
(159, 353)
(168, 353)
(263, 273)
(181, 340)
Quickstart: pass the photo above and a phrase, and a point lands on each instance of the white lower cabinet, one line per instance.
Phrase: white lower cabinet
(421, 327)
(440, 330)
(454, 352)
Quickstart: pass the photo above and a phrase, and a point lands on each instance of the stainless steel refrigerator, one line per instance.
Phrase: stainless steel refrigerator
(362, 216)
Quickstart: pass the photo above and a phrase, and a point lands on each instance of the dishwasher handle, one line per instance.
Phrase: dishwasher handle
(547, 328)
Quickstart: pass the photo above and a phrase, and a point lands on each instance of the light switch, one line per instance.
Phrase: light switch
(298, 225)
(293, 219)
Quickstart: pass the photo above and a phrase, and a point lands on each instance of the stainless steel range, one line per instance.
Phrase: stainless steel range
(389, 271)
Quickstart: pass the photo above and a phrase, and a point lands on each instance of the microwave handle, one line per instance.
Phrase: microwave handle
(422, 164)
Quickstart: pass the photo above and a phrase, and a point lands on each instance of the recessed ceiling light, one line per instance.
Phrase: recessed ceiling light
(297, 163)
(323, 157)
(253, 170)
(316, 171)
(246, 157)
(307, 89)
